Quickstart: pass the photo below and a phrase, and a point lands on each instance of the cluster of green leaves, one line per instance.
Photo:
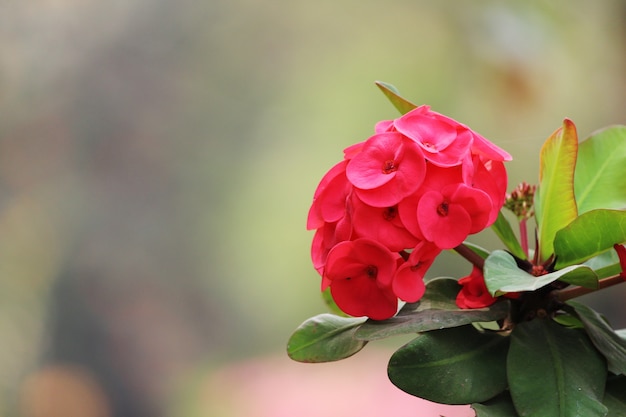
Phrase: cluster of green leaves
(534, 355)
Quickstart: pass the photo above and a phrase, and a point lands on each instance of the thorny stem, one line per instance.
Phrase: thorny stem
(470, 255)
(569, 293)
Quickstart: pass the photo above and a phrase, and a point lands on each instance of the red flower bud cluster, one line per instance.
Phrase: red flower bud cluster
(421, 184)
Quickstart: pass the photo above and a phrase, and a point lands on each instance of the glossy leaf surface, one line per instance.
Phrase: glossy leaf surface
(600, 177)
(325, 338)
(605, 265)
(555, 371)
(403, 105)
(459, 365)
(503, 230)
(436, 310)
(603, 337)
(556, 205)
(502, 275)
(589, 235)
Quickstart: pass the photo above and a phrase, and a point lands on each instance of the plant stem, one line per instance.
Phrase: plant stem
(569, 293)
(523, 234)
(470, 255)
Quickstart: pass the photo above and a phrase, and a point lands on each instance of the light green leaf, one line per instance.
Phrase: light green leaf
(502, 275)
(555, 371)
(603, 337)
(500, 406)
(605, 264)
(600, 177)
(589, 235)
(392, 93)
(459, 365)
(325, 338)
(556, 206)
(503, 230)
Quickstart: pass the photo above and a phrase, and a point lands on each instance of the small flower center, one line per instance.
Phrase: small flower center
(371, 271)
(389, 166)
(442, 209)
(390, 213)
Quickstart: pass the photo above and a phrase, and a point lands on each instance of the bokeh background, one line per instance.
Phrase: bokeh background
(157, 161)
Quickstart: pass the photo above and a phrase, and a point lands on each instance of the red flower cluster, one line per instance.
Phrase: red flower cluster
(421, 184)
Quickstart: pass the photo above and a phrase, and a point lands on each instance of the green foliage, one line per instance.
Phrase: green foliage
(459, 365)
(436, 310)
(503, 229)
(615, 397)
(499, 406)
(392, 93)
(502, 275)
(325, 338)
(556, 205)
(600, 177)
(589, 235)
(603, 337)
(555, 371)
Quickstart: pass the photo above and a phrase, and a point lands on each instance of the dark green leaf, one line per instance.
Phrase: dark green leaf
(459, 365)
(436, 310)
(615, 397)
(555, 205)
(325, 338)
(603, 337)
(392, 93)
(600, 177)
(500, 406)
(503, 230)
(502, 275)
(555, 371)
(440, 294)
(589, 235)
(426, 320)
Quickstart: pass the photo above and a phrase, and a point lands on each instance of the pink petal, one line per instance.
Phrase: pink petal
(446, 231)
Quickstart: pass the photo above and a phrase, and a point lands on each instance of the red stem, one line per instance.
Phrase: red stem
(569, 293)
(470, 255)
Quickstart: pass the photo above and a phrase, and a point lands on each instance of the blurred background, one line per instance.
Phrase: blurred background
(157, 162)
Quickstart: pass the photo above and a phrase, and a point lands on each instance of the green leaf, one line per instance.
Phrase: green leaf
(603, 337)
(392, 93)
(555, 371)
(503, 230)
(589, 235)
(437, 309)
(426, 320)
(325, 338)
(500, 406)
(556, 206)
(502, 275)
(600, 177)
(605, 265)
(615, 397)
(459, 365)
